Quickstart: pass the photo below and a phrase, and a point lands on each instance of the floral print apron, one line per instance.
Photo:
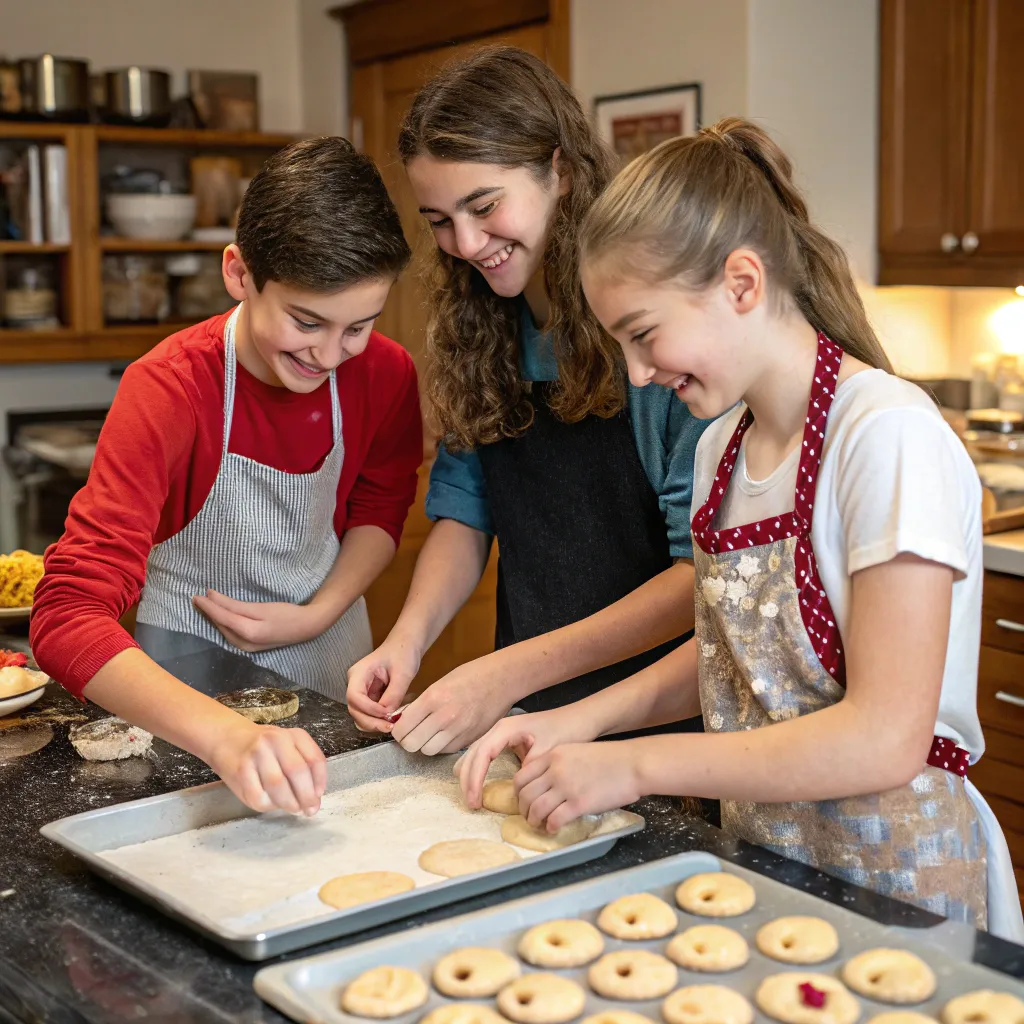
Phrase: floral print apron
(769, 650)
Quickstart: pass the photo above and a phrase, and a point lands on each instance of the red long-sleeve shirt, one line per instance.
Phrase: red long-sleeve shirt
(157, 458)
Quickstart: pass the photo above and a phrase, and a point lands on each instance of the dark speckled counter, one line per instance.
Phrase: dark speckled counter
(75, 949)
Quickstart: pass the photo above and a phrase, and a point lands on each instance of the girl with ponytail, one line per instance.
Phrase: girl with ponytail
(837, 545)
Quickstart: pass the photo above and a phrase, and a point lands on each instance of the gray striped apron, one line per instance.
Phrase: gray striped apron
(261, 535)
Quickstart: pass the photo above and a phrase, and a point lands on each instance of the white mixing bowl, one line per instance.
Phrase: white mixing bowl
(158, 217)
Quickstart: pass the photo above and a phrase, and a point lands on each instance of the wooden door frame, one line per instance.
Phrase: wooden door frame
(379, 30)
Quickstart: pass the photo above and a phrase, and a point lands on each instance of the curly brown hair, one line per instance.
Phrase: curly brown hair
(503, 106)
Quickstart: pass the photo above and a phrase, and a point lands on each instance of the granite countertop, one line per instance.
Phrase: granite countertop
(1004, 552)
(74, 948)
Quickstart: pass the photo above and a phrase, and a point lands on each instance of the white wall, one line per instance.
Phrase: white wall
(324, 73)
(258, 35)
(623, 45)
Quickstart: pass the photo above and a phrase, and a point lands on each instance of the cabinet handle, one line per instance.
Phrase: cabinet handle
(969, 242)
(1013, 627)
(1010, 698)
(949, 242)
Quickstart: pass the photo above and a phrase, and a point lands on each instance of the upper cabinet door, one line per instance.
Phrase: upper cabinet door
(925, 84)
(997, 130)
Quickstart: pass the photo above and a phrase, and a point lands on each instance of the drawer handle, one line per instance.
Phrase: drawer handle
(1010, 698)
(1013, 627)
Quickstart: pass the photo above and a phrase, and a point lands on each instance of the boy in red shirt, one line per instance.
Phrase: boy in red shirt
(251, 481)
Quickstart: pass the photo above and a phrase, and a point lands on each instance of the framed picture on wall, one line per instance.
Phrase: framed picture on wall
(634, 122)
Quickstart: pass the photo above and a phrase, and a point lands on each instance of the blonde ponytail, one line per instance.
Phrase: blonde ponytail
(679, 210)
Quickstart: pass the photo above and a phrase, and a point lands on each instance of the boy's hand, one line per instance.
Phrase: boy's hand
(261, 625)
(267, 767)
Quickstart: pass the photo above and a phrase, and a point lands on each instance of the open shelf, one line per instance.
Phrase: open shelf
(155, 245)
(191, 137)
(8, 248)
(33, 131)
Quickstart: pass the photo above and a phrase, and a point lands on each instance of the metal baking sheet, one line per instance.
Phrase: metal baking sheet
(89, 834)
(309, 989)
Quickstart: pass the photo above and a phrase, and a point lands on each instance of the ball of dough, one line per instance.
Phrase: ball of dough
(890, 976)
(384, 992)
(715, 894)
(617, 1017)
(541, 999)
(516, 830)
(109, 739)
(984, 1007)
(640, 916)
(15, 680)
(781, 996)
(798, 940)
(707, 1004)
(463, 1013)
(632, 974)
(561, 944)
(454, 857)
(363, 887)
(262, 704)
(500, 796)
(710, 948)
(474, 973)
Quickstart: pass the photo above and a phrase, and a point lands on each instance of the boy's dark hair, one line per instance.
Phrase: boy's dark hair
(317, 216)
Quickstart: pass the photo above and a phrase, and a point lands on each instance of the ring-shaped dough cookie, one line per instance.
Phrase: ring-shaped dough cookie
(541, 999)
(384, 992)
(715, 894)
(984, 1007)
(632, 974)
(636, 917)
(707, 1004)
(617, 1017)
(798, 940)
(560, 944)
(902, 1017)
(780, 996)
(474, 972)
(711, 948)
(890, 976)
(463, 1013)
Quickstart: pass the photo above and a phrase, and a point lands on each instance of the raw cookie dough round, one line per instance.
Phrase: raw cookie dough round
(463, 1013)
(474, 973)
(798, 940)
(500, 796)
(465, 856)
(709, 947)
(384, 992)
(715, 894)
(516, 830)
(905, 1017)
(109, 739)
(561, 944)
(15, 680)
(262, 704)
(890, 976)
(363, 887)
(707, 1004)
(984, 1007)
(632, 974)
(640, 916)
(542, 999)
(617, 1017)
(779, 996)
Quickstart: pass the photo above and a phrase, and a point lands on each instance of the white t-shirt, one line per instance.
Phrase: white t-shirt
(894, 479)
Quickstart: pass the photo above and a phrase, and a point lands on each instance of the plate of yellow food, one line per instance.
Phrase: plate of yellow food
(20, 571)
(19, 684)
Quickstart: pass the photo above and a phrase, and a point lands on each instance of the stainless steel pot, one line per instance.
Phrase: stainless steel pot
(55, 87)
(138, 96)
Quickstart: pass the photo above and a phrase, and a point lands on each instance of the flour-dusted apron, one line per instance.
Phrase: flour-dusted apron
(261, 535)
(769, 650)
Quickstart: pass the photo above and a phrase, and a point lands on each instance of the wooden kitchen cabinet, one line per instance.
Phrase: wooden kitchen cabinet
(951, 142)
(1000, 773)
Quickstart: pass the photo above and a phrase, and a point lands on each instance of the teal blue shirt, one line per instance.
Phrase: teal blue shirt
(666, 440)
